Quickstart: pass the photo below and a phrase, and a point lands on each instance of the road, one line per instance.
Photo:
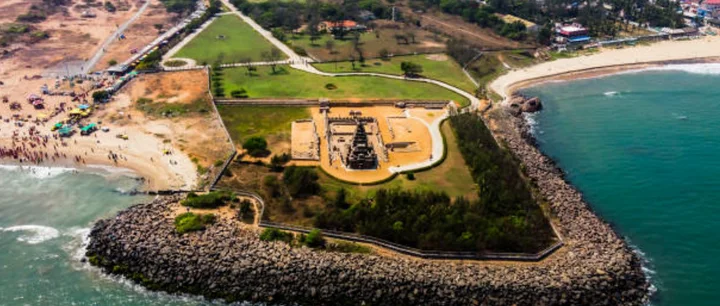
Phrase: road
(87, 67)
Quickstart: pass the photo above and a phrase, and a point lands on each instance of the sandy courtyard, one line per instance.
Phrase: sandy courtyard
(413, 129)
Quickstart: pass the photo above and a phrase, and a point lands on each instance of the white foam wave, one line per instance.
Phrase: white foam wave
(36, 233)
(39, 171)
(531, 121)
(611, 93)
(711, 69)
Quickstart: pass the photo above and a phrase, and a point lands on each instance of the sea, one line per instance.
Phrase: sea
(643, 147)
(45, 217)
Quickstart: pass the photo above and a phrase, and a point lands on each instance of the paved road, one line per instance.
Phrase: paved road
(101, 51)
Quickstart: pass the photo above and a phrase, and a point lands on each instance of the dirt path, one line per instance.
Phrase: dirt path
(101, 51)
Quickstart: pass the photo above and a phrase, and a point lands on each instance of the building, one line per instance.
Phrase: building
(573, 34)
(529, 25)
(711, 5)
(361, 155)
(347, 25)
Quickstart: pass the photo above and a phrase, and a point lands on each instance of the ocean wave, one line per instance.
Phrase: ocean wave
(36, 233)
(709, 69)
(39, 172)
(646, 264)
(531, 121)
(611, 93)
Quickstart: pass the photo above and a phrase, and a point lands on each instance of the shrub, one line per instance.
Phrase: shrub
(410, 176)
(110, 7)
(175, 63)
(300, 51)
(112, 62)
(277, 161)
(242, 93)
(274, 234)
(347, 247)
(100, 95)
(330, 86)
(212, 199)
(301, 181)
(255, 146)
(314, 239)
(190, 222)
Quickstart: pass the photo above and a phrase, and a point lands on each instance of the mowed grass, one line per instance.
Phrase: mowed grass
(272, 122)
(452, 177)
(292, 83)
(370, 42)
(240, 41)
(436, 66)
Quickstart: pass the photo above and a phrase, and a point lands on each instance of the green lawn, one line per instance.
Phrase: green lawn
(371, 43)
(442, 68)
(240, 42)
(291, 83)
(452, 177)
(267, 121)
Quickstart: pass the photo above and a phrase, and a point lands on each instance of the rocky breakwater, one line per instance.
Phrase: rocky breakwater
(521, 104)
(227, 260)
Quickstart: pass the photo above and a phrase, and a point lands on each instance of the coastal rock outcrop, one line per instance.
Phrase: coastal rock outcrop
(520, 104)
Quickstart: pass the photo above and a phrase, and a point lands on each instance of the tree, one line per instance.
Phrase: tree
(411, 69)
(384, 54)
(158, 26)
(313, 38)
(256, 146)
(352, 62)
(100, 95)
(301, 181)
(330, 46)
(314, 239)
(411, 36)
(272, 57)
(279, 34)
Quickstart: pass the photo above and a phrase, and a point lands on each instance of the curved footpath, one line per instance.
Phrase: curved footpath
(227, 260)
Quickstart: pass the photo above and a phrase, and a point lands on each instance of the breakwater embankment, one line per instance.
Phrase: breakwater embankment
(228, 260)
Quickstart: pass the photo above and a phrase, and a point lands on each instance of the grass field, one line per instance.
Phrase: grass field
(370, 43)
(452, 177)
(271, 122)
(436, 66)
(240, 41)
(291, 83)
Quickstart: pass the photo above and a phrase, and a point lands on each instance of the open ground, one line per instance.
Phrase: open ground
(435, 66)
(228, 40)
(291, 83)
(383, 37)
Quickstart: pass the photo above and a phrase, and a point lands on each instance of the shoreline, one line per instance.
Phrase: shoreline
(609, 62)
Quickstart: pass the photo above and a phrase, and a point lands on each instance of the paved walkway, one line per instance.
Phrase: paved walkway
(101, 51)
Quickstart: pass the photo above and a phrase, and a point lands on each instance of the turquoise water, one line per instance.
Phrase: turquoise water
(43, 219)
(644, 149)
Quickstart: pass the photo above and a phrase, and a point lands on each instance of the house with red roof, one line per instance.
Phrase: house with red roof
(347, 25)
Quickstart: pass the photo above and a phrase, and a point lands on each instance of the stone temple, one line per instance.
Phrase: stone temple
(361, 154)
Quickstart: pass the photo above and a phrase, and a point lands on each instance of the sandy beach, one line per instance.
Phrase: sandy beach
(609, 61)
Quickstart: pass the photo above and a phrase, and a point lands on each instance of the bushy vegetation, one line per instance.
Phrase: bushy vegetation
(503, 218)
(301, 181)
(190, 222)
(256, 146)
(274, 234)
(314, 239)
(179, 6)
(599, 20)
(213, 199)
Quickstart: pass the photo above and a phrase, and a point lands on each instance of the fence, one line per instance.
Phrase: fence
(421, 253)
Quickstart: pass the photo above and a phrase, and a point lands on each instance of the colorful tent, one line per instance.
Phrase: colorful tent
(84, 106)
(88, 127)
